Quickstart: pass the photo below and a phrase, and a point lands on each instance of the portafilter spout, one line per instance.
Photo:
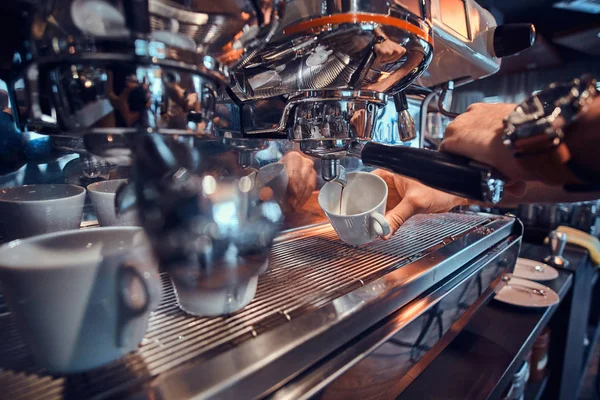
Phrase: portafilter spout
(333, 171)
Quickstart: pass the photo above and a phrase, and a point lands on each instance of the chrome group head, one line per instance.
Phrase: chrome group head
(327, 74)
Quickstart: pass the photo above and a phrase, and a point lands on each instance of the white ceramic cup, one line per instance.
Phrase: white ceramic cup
(36, 209)
(215, 302)
(103, 196)
(361, 217)
(207, 302)
(81, 298)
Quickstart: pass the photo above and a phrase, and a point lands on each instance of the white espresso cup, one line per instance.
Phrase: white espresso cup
(81, 298)
(204, 302)
(36, 209)
(212, 302)
(103, 196)
(360, 217)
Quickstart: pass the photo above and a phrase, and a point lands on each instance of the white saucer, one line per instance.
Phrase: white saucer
(526, 269)
(518, 296)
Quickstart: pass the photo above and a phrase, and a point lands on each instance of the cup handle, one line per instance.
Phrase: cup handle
(380, 224)
(126, 311)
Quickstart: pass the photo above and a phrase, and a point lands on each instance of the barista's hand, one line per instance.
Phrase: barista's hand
(302, 178)
(477, 134)
(407, 197)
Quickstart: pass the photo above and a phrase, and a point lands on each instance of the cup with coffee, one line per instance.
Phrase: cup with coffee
(81, 298)
(357, 210)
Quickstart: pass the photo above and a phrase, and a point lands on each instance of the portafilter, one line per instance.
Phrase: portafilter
(331, 125)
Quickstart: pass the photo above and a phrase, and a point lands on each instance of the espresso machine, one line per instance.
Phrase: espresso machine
(324, 79)
(191, 97)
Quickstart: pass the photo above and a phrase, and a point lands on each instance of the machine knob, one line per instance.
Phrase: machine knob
(557, 242)
(511, 39)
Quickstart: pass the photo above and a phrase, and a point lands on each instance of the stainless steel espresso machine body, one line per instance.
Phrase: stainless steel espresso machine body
(216, 111)
(333, 67)
(321, 308)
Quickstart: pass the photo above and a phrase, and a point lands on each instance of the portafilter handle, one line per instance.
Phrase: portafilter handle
(446, 172)
(557, 242)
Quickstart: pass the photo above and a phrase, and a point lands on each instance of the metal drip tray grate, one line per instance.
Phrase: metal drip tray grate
(305, 274)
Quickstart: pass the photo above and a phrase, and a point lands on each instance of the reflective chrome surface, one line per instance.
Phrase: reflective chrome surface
(121, 98)
(325, 123)
(333, 63)
(376, 365)
(208, 225)
(406, 126)
(226, 29)
(583, 216)
(319, 295)
(366, 45)
(122, 73)
(332, 170)
(81, 54)
(556, 243)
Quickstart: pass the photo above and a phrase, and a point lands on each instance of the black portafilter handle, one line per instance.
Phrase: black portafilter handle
(446, 172)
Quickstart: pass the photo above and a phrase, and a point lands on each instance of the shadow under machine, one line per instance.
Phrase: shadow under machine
(202, 87)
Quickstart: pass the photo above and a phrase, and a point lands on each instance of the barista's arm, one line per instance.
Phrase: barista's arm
(408, 198)
(477, 134)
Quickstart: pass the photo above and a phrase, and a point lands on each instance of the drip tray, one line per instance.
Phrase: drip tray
(307, 273)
